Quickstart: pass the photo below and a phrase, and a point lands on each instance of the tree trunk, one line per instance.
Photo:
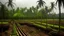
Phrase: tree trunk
(53, 20)
(41, 19)
(59, 16)
(46, 18)
(46, 21)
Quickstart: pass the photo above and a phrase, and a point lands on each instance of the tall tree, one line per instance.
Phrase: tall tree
(40, 4)
(46, 8)
(53, 14)
(2, 10)
(60, 2)
(10, 4)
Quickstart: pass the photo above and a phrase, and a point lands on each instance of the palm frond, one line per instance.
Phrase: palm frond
(0, 3)
(63, 2)
(41, 3)
(10, 3)
(59, 2)
(46, 8)
(44, 2)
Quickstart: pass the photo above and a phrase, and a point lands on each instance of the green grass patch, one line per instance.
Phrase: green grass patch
(14, 32)
(3, 22)
(50, 26)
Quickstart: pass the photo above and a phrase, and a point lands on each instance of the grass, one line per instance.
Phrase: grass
(48, 24)
(3, 22)
(14, 31)
(43, 25)
(44, 20)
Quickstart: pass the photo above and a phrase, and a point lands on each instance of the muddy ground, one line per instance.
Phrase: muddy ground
(31, 31)
(5, 30)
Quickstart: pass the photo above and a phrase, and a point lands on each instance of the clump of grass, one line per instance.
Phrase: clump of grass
(14, 31)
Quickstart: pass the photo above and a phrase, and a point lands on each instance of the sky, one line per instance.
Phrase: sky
(29, 3)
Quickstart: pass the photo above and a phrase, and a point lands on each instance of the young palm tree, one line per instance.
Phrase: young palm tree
(40, 4)
(60, 2)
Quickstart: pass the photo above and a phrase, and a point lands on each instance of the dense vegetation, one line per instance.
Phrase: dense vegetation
(28, 13)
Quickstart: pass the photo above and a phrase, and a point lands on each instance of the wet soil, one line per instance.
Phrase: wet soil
(55, 22)
(5, 30)
(32, 31)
